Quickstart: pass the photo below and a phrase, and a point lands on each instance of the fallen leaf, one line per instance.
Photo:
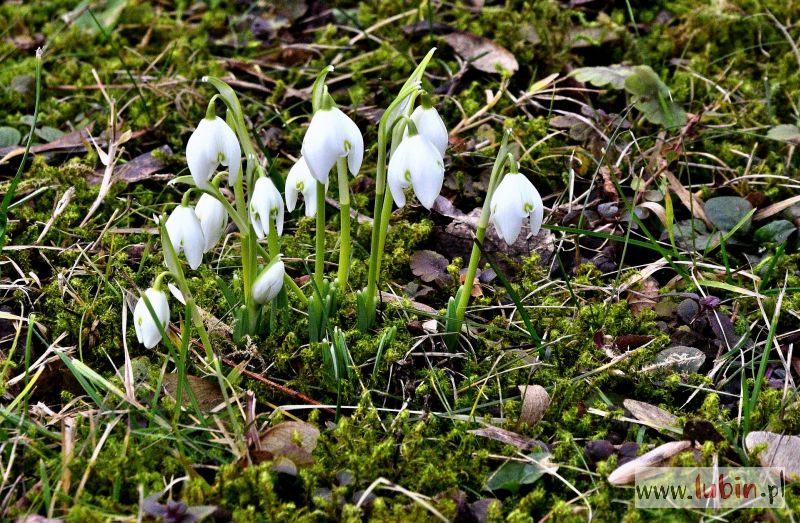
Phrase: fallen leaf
(535, 401)
(700, 431)
(388, 297)
(299, 433)
(681, 359)
(651, 415)
(289, 445)
(144, 167)
(75, 141)
(509, 438)
(208, 394)
(482, 53)
(644, 299)
(626, 474)
(782, 451)
(430, 266)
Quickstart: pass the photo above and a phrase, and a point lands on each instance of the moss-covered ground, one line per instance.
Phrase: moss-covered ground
(88, 428)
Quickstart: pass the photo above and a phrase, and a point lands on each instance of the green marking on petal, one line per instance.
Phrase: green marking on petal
(407, 175)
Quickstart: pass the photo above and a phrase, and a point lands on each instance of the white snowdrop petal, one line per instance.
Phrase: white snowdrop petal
(147, 328)
(428, 178)
(213, 219)
(269, 283)
(399, 167)
(430, 125)
(514, 200)
(199, 153)
(537, 216)
(321, 145)
(310, 198)
(355, 152)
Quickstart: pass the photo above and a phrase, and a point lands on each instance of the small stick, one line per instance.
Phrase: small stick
(277, 386)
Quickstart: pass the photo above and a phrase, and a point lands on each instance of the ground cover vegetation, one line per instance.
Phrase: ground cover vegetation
(357, 355)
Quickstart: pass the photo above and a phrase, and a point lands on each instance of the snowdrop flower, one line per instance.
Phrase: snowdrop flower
(515, 199)
(213, 219)
(300, 180)
(265, 204)
(186, 234)
(270, 282)
(416, 163)
(212, 143)
(330, 136)
(430, 125)
(147, 331)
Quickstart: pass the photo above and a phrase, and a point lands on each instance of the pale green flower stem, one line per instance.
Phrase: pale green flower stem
(383, 203)
(200, 326)
(503, 157)
(344, 202)
(319, 260)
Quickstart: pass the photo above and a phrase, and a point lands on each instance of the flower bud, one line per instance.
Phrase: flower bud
(269, 283)
(147, 327)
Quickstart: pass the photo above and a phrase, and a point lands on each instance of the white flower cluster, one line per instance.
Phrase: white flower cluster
(416, 162)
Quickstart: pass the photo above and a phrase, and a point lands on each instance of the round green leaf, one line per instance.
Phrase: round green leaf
(725, 212)
(9, 136)
(775, 232)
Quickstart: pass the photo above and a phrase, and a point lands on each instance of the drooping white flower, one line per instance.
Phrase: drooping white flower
(514, 200)
(185, 234)
(213, 219)
(266, 205)
(147, 331)
(332, 135)
(269, 283)
(418, 164)
(300, 180)
(212, 143)
(430, 125)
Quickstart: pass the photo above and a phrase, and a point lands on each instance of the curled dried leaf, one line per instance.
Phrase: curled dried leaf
(535, 401)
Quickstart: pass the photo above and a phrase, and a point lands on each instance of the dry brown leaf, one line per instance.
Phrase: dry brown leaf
(387, 297)
(775, 208)
(483, 54)
(651, 415)
(430, 266)
(626, 474)
(75, 142)
(535, 401)
(208, 394)
(644, 299)
(692, 203)
(507, 437)
(782, 451)
(298, 433)
(143, 167)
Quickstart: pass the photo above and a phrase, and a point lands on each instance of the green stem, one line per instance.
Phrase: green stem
(503, 157)
(199, 323)
(319, 261)
(386, 213)
(344, 202)
(272, 241)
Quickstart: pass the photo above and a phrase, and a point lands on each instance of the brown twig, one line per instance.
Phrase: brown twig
(277, 386)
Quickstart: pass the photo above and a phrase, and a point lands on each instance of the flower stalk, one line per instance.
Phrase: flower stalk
(463, 295)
